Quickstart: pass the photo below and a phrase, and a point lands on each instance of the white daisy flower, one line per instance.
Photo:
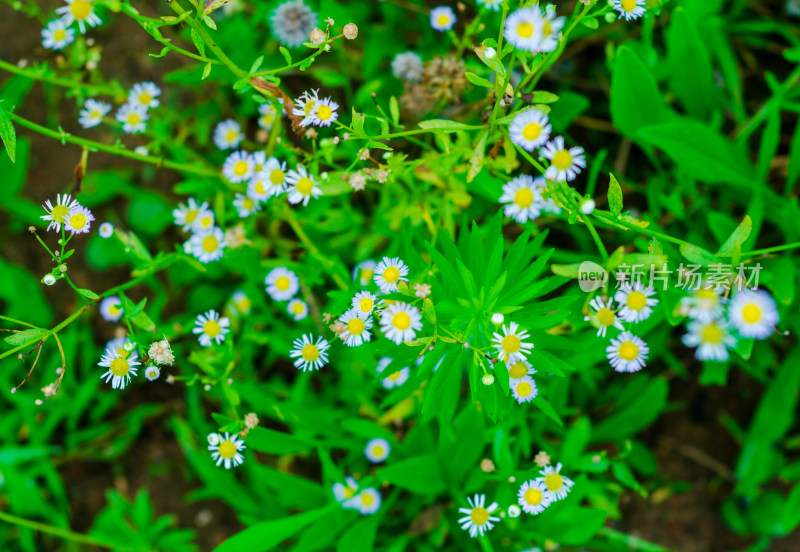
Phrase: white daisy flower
(630, 9)
(443, 18)
(753, 313)
(400, 322)
(187, 215)
(519, 369)
(524, 389)
(269, 182)
(491, 4)
(603, 315)
(377, 450)
(395, 379)
(558, 485)
(120, 367)
(627, 353)
(323, 113)
(266, 116)
(302, 186)
(281, 284)
(704, 304)
(241, 302)
(133, 117)
(357, 326)
(211, 327)
(81, 11)
(238, 167)
(227, 450)
(144, 94)
(511, 346)
(550, 30)
(478, 518)
(565, 164)
(152, 373)
(106, 230)
(228, 134)
(637, 301)
(79, 220)
(110, 308)
(407, 66)
(514, 511)
(368, 501)
(57, 214)
(204, 222)
(292, 22)
(56, 36)
(364, 302)
(534, 497)
(259, 161)
(523, 29)
(304, 104)
(121, 346)
(298, 309)
(364, 272)
(208, 246)
(530, 129)
(345, 491)
(245, 205)
(712, 339)
(389, 272)
(310, 355)
(522, 198)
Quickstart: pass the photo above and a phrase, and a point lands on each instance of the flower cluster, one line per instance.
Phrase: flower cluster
(207, 242)
(367, 501)
(68, 214)
(512, 348)
(315, 110)
(532, 30)
(57, 35)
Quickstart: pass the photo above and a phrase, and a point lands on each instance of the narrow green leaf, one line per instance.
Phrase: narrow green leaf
(266, 535)
(8, 135)
(478, 81)
(636, 101)
(25, 337)
(737, 237)
(614, 195)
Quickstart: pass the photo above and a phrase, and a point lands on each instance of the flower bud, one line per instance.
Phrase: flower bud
(487, 379)
(316, 37)
(587, 206)
(49, 279)
(350, 31)
(497, 319)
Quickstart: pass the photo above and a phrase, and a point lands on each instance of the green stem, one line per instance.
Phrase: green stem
(596, 237)
(311, 248)
(58, 532)
(66, 83)
(771, 249)
(97, 146)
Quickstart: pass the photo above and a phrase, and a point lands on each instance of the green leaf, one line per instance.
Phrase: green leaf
(89, 294)
(275, 442)
(543, 97)
(266, 535)
(791, 512)
(143, 321)
(478, 81)
(360, 536)
(738, 237)
(636, 101)
(702, 152)
(394, 110)
(443, 125)
(614, 195)
(286, 55)
(420, 475)
(690, 72)
(697, 255)
(476, 161)
(542, 404)
(7, 134)
(634, 415)
(212, 5)
(26, 337)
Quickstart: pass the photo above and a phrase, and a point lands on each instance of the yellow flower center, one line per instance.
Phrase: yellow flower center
(298, 308)
(282, 283)
(401, 321)
(240, 168)
(366, 304)
(377, 450)
(212, 328)
(227, 449)
(394, 376)
(355, 326)
(209, 244)
(547, 29)
(134, 119)
(77, 221)
(636, 300)
(525, 30)
(268, 119)
(510, 344)
(523, 389)
(276, 177)
(553, 482)
(367, 274)
(119, 367)
(751, 313)
(248, 203)
(605, 316)
(260, 187)
(324, 113)
(367, 499)
(81, 9)
(114, 309)
(562, 160)
(308, 107)
(205, 222)
(706, 295)
(231, 135)
(711, 334)
(628, 350)
(59, 213)
(305, 185)
(479, 516)
(443, 20)
(533, 496)
(517, 370)
(145, 98)
(94, 114)
(628, 5)
(391, 274)
(532, 131)
(523, 198)
(191, 214)
(59, 35)
(310, 353)
(349, 492)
